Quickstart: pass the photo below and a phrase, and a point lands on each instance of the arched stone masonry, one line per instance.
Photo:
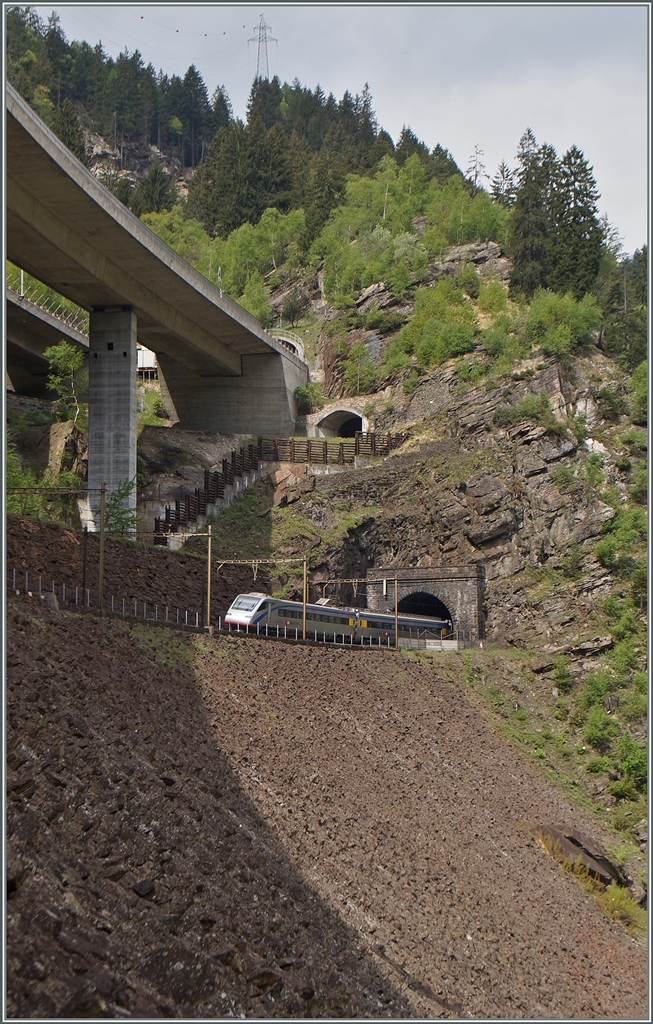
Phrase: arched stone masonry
(339, 420)
(458, 588)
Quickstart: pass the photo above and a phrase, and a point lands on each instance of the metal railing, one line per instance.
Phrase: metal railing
(25, 287)
(289, 339)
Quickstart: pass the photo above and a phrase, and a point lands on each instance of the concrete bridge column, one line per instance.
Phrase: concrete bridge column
(111, 404)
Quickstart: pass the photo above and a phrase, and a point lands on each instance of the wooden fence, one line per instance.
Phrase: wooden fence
(319, 450)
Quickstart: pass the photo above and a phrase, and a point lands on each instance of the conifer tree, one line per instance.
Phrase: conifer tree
(65, 124)
(530, 223)
(222, 109)
(576, 235)
(155, 192)
(503, 186)
(408, 144)
(476, 169)
(196, 114)
(264, 101)
(441, 165)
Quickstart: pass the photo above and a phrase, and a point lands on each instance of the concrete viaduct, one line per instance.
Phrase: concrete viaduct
(222, 371)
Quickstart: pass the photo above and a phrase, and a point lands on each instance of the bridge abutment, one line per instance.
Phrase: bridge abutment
(111, 405)
(261, 400)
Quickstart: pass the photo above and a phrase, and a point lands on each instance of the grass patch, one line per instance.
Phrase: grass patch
(614, 900)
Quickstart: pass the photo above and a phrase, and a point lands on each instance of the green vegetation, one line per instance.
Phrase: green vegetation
(68, 378)
(531, 407)
(443, 325)
(492, 297)
(309, 397)
(308, 180)
(555, 237)
(639, 385)
(33, 505)
(295, 305)
(624, 539)
(559, 323)
(155, 192)
(154, 411)
(119, 517)
(360, 370)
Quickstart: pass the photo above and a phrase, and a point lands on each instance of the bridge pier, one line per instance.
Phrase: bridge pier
(111, 405)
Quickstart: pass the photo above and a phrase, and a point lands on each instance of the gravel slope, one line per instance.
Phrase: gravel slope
(201, 828)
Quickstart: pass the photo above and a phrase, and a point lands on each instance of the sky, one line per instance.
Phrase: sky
(458, 74)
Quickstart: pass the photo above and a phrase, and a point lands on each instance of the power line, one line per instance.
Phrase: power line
(261, 37)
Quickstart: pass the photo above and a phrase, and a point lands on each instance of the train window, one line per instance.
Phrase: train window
(246, 603)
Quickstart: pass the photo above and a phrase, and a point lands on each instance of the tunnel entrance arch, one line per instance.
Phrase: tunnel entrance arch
(342, 423)
(422, 603)
(457, 589)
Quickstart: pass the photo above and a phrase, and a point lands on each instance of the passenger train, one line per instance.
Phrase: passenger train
(270, 615)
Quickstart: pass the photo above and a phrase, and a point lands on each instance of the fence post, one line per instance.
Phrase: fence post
(396, 613)
(103, 500)
(208, 581)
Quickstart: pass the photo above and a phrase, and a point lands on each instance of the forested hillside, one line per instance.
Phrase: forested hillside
(310, 194)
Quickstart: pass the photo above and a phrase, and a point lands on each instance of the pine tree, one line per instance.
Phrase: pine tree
(441, 165)
(476, 169)
(503, 188)
(155, 192)
(576, 236)
(407, 145)
(222, 109)
(264, 101)
(530, 222)
(65, 124)
(196, 113)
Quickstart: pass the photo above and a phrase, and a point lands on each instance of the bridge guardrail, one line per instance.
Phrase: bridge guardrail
(23, 288)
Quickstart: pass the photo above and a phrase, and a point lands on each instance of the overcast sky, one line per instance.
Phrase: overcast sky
(459, 75)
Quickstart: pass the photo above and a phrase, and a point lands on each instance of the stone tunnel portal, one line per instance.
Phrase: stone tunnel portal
(421, 603)
(342, 423)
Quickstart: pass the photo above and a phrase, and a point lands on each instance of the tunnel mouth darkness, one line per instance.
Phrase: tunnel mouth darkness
(421, 603)
(341, 423)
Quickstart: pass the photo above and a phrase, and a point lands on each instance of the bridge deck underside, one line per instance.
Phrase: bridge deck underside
(68, 231)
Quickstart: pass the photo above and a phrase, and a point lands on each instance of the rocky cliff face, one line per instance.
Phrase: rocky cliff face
(512, 499)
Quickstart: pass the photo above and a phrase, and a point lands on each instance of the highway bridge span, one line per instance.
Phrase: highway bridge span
(223, 372)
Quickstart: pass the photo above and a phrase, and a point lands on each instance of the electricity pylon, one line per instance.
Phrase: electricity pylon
(261, 37)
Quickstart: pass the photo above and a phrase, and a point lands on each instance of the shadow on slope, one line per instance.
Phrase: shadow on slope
(142, 880)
